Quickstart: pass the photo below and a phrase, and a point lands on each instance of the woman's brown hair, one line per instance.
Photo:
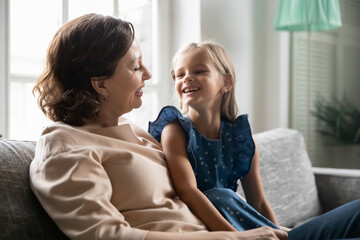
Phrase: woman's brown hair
(85, 47)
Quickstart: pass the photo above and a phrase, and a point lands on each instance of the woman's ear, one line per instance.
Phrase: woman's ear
(228, 83)
(99, 86)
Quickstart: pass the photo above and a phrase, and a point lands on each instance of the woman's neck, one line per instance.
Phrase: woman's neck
(207, 122)
(105, 119)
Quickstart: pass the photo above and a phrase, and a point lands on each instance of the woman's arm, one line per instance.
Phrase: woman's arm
(173, 141)
(263, 233)
(254, 191)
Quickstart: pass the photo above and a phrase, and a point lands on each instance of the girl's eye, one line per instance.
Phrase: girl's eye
(179, 75)
(200, 71)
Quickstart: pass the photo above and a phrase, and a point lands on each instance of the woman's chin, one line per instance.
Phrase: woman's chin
(137, 105)
(132, 107)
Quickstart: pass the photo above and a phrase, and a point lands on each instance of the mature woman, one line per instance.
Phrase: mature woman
(96, 174)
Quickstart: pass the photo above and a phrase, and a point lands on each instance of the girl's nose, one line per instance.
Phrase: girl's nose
(188, 78)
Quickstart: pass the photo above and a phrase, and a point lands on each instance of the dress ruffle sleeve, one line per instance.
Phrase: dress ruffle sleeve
(167, 115)
(170, 114)
(244, 148)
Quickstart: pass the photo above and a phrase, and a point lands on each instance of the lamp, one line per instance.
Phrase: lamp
(308, 15)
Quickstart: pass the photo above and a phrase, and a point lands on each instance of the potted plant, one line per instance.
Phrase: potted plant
(341, 119)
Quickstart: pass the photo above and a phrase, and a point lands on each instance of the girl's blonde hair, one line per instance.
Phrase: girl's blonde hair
(223, 64)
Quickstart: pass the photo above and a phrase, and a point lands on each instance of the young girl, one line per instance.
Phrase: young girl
(209, 149)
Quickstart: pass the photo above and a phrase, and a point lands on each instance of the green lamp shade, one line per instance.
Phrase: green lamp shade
(308, 15)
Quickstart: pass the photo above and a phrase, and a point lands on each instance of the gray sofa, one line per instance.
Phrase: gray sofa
(295, 190)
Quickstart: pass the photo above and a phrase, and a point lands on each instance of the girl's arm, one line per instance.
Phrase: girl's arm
(173, 141)
(254, 191)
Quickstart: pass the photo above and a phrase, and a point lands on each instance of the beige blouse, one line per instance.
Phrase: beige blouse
(107, 183)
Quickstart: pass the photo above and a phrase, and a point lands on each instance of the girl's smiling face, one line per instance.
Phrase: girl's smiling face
(197, 81)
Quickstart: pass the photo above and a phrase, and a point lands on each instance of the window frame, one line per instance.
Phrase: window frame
(160, 58)
(4, 39)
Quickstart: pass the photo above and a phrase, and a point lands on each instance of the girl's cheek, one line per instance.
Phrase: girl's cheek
(177, 85)
(178, 89)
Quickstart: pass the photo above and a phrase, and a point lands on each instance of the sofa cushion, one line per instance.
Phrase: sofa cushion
(288, 180)
(21, 215)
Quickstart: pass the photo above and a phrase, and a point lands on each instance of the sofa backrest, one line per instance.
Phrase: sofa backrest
(288, 180)
(284, 167)
(21, 215)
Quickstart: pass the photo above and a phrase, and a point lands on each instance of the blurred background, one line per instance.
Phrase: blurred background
(272, 67)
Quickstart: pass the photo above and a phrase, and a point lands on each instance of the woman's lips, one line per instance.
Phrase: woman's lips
(139, 92)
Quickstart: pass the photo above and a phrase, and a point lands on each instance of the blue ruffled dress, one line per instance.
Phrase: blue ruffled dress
(218, 164)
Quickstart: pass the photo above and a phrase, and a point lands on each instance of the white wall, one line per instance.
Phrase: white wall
(260, 55)
(185, 25)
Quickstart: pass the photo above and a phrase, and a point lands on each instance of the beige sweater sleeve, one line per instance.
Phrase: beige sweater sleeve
(75, 190)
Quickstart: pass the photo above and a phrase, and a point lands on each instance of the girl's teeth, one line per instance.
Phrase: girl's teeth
(190, 90)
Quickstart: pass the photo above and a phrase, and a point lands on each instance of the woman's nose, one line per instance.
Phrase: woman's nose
(146, 74)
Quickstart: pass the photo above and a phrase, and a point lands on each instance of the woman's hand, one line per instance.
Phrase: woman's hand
(262, 233)
(286, 229)
(267, 233)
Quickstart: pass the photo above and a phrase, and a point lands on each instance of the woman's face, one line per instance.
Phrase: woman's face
(124, 88)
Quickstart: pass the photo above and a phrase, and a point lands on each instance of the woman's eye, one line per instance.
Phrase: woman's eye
(137, 68)
(179, 75)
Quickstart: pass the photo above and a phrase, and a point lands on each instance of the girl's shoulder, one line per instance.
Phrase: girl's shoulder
(167, 115)
(241, 123)
(238, 134)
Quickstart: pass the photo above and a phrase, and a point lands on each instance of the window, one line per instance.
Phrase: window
(30, 28)
(334, 73)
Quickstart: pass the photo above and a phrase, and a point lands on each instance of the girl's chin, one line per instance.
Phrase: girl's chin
(189, 102)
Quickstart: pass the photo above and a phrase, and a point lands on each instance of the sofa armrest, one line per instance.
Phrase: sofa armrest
(336, 186)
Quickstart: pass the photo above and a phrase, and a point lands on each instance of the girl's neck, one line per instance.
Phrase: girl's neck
(207, 122)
